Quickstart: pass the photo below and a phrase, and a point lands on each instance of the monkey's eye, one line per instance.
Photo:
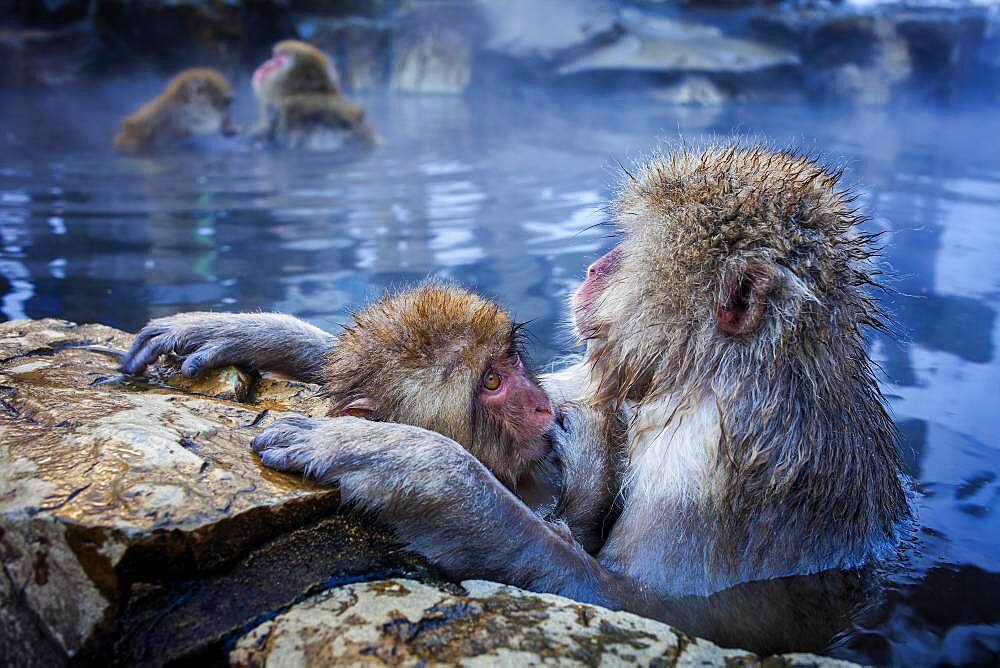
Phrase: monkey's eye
(491, 381)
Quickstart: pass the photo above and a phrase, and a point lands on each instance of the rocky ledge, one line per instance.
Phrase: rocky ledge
(137, 527)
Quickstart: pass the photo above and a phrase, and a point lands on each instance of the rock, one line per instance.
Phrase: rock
(360, 46)
(675, 46)
(695, 91)
(44, 57)
(48, 13)
(186, 33)
(528, 29)
(402, 622)
(860, 59)
(136, 525)
(433, 47)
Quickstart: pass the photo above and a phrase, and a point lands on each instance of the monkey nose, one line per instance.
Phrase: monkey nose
(544, 406)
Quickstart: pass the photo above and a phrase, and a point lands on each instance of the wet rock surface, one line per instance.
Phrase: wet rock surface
(406, 623)
(136, 525)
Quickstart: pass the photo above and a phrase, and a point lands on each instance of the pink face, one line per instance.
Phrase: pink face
(598, 276)
(519, 403)
(263, 74)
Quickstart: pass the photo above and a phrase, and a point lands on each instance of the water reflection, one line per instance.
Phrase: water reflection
(507, 197)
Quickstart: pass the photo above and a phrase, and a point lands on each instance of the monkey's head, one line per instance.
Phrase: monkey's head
(734, 265)
(200, 99)
(447, 360)
(295, 68)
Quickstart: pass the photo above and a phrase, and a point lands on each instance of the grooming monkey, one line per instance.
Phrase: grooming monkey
(195, 102)
(436, 357)
(300, 102)
(727, 324)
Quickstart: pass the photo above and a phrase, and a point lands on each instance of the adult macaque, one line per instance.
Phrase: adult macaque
(300, 102)
(195, 102)
(727, 325)
(436, 357)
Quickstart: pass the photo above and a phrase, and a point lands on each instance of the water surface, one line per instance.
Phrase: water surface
(505, 196)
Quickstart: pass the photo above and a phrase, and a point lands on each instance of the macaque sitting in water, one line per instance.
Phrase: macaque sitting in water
(195, 102)
(436, 357)
(300, 102)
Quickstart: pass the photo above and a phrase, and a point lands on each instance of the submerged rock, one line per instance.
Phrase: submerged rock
(405, 623)
(135, 522)
(694, 91)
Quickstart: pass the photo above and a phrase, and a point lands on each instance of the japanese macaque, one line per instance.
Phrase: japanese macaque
(301, 106)
(727, 324)
(195, 102)
(436, 357)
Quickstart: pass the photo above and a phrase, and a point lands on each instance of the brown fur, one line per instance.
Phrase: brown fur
(199, 91)
(307, 99)
(807, 448)
(728, 327)
(419, 356)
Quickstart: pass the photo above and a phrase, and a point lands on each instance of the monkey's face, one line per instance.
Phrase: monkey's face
(445, 359)
(729, 262)
(204, 109)
(599, 275)
(510, 397)
(266, 78)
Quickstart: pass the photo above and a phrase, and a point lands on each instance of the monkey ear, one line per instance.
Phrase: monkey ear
(743, 298)
(362, 408)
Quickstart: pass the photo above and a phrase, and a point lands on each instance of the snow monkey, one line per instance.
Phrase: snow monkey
(195, 102)
(727, 324)
(300, 102)
(436, 357)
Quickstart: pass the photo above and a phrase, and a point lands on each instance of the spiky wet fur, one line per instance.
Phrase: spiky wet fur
(805, 474)
(420, 356)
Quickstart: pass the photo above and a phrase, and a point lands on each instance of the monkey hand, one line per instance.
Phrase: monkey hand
(291, 445)
(257, 341)
(366, 458)
(439, 500)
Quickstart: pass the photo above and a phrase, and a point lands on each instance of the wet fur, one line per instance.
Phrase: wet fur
(305, 108)
(801, 422)
(414, 356)
(192, 98)
(750, 457)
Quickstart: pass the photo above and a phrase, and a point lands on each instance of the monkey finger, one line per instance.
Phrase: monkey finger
(291, 459)
(136, 362)
(204, 359)
(145, 334)
(276, 436)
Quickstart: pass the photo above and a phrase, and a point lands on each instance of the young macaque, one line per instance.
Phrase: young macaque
(300, 102)
(195, 102)
(436, 357)
(728, 326)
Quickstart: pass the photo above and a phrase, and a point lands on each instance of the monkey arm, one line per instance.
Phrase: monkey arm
(443, 503)
(258, 341)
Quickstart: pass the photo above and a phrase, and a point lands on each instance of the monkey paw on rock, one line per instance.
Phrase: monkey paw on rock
(293, 445)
